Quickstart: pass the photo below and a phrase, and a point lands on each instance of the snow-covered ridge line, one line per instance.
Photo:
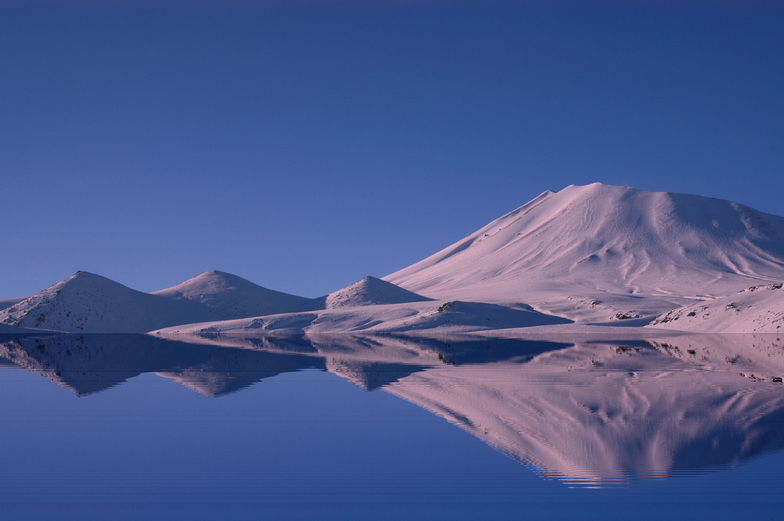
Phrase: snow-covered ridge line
(90, 303)
(594, 254)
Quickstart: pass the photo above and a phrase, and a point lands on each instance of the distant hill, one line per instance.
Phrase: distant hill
(228, 296)
(371, 291)
(90, 303)
(85, 302)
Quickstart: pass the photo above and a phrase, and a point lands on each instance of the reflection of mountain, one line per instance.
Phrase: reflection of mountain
(586, 412)
(90, 363)
(370, 375)
(598, 413)
(229, 370)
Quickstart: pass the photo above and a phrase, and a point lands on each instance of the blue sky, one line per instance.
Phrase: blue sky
(304, 145)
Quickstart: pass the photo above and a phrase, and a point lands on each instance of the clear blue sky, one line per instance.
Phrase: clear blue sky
(304, 145)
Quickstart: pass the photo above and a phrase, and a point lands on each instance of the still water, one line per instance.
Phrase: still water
(135, 427)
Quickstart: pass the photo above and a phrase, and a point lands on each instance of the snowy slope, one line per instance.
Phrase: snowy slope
(86, 302)
(371, 291)
(597, 250)
(758, 309)
(229, 296)
(430, 315)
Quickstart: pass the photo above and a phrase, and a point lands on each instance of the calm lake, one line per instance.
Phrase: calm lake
(388, 428)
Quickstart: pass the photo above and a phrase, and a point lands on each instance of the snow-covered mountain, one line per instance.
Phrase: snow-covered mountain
(593, 253)
(229, 296)
(371, 291)
(598, 251)
(89, 303)
(758, 309)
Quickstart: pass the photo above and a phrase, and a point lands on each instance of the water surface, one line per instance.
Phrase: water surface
(131, 426)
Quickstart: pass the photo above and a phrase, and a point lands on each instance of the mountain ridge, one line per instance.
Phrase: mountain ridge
(89, 303)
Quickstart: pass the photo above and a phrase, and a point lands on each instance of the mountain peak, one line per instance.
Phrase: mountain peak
(207, 282)
(370, 291)
(219, 274)
(601, 243)
(85, 280)
(87, 275)
(90, 303)
(231, 296)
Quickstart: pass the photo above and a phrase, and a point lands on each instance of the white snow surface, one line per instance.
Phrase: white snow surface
(591, 252)
(758, 309)
(371, 291)
(229, 296)
(430, 315)
(90, 303)
(594, 254)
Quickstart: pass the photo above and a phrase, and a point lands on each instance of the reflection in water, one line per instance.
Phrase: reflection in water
(587, 413)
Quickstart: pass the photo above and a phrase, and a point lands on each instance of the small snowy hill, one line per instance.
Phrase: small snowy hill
(595, 251)
(229, 296)
(89, 303)
(758, 309)
(371, 291)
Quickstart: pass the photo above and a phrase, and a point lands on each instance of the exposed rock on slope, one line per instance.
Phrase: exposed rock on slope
(758, 309)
